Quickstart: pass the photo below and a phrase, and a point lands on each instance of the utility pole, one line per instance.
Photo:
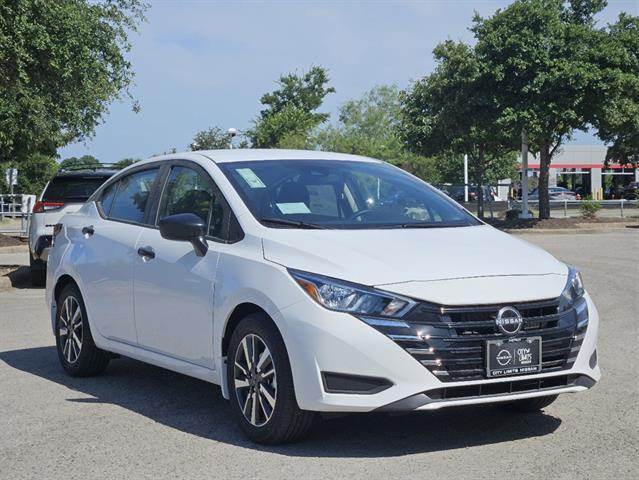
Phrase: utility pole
(524, 174)
(465, 178)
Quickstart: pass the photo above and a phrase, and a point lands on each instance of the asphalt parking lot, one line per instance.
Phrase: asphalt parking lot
(138, 421)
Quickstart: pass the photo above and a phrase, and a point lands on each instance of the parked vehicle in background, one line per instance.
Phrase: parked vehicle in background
(631, 191)
(305, 282)
(65, 193)
(555, 193)
(457, 192)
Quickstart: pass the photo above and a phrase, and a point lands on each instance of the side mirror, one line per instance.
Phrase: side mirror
(186, 227)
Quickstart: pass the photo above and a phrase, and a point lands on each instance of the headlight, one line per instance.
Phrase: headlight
(573, 290)
(348, 297)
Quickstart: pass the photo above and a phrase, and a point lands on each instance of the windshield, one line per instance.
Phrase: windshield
(340, 194)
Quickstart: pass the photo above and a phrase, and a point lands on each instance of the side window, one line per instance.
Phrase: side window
(186, 191)
(107, 198)
(132, 196)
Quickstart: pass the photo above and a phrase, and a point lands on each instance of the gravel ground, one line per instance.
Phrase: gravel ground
(138, 421)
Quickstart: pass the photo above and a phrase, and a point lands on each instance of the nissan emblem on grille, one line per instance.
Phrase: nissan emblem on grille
(509, 321)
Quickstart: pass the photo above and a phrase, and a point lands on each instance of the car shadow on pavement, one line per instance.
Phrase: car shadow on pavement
(198, 408)
(20, 278)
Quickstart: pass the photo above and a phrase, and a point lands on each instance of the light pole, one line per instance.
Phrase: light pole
(465, 178)
(232, 132)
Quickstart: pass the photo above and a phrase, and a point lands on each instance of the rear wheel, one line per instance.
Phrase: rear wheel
(530, 404)
(260, 384)
(38, 271)
(77, 352)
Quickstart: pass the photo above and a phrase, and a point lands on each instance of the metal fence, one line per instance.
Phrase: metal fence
(561, 208)
(15, 213)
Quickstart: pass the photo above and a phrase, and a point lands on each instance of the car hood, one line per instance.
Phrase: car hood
(395, 259)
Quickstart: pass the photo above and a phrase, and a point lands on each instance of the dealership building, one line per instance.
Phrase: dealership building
(582, 169)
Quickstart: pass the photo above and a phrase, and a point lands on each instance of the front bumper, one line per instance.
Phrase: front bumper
(320, 341)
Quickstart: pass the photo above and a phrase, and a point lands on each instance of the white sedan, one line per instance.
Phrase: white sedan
(305, 282)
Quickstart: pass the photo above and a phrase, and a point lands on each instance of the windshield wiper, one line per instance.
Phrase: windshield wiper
(422, 225)
(291, 223)
(433, 225)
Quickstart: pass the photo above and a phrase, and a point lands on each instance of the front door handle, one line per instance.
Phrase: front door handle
(88, 230)
(146, 252)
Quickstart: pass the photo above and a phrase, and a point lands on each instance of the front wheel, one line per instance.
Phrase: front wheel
(260, 384)
(530, 404)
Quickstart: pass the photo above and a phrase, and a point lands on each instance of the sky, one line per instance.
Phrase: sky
(204, 63)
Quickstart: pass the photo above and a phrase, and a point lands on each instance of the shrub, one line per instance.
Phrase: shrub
(590, 207)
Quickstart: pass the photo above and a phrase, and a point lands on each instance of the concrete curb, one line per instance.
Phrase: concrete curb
(582, 228)
(14, 249)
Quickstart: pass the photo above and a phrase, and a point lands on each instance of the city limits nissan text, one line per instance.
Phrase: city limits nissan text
(305, 282)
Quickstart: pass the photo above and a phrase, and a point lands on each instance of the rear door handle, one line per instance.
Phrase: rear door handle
(88, 230)
(146, 252)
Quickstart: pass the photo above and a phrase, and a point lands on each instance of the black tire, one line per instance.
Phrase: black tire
(530, 404)
(287, 423)
(38, 271)
(90, 360)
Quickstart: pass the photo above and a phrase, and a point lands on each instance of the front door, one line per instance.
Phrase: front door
(173, 287)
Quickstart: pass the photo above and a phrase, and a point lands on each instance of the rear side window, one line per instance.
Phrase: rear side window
(107, 198)
(132, 196)
(71, 189)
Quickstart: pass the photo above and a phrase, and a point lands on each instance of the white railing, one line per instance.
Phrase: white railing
(621, 205)
(15, 213)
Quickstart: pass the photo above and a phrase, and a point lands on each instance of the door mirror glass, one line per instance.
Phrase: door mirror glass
(185, 227)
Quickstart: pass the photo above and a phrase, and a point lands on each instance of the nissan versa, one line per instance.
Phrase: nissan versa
(305, 282)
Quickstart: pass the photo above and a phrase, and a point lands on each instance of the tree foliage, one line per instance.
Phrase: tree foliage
(33, 173)
(368, 126)
(74, 163)
(617, 119)
(540, 63)
(290, 114)
(453, 112)
(61, 64)
(213, 138)
(125, 162)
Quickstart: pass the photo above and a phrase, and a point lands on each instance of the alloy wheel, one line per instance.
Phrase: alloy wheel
(255, 380)
(70, 329)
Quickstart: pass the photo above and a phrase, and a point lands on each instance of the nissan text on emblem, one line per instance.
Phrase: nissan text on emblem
(509, 321)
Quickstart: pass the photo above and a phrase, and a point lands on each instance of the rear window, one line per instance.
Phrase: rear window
(72, 189)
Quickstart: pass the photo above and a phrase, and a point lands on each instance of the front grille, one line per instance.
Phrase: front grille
(451, 341)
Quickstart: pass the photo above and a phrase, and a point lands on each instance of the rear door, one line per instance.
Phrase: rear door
(108, 255)
(174, 289)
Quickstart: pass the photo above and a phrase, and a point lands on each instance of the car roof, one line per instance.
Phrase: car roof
(259, 154)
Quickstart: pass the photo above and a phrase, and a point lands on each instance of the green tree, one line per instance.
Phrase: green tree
(33, 173)
(74, 163)
(125, 162)
(452, 112)
(61, 64)
(538, 57)
(617, 119)
(212, 139)
(368, 126)
(290, 114)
